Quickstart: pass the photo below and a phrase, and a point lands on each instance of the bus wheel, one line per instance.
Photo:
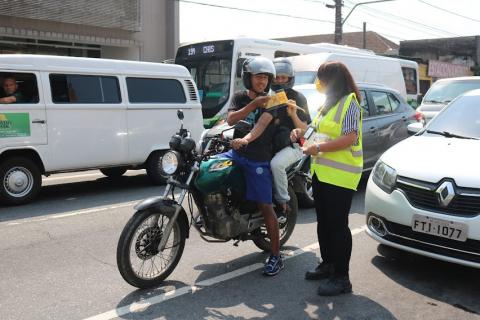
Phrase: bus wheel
(154, 170)
(21, 181)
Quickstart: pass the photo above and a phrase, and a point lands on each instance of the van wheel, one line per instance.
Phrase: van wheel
(154, 171)
(21, 181)
(113, 172)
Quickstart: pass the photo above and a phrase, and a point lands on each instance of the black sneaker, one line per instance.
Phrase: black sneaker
(273, 266)
(334, 286)
(322, 271)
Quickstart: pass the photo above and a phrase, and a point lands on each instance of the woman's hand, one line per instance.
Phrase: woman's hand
(311, 150)
(295, 134)
(238, 143)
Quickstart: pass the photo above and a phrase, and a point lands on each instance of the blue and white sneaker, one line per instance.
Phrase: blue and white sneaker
(273, 266)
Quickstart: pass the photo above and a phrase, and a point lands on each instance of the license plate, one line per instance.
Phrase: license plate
(440, 228)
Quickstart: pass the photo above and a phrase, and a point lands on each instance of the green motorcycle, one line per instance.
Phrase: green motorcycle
(152, 242)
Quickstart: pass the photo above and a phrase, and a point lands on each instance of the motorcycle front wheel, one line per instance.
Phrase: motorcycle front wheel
(286, 229)
(139, 260)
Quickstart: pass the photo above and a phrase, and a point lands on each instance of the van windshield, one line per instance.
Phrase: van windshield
(303, 77)
(444, 92)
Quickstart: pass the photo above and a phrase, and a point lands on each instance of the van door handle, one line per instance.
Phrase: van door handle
(38, 121)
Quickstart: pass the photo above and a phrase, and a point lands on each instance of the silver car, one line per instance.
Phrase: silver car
(443, 91)
(385, 117)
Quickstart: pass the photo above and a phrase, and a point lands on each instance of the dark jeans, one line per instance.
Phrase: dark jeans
(332, 204)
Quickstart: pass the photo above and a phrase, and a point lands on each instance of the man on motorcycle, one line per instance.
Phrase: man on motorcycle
(254, 157)
(294, 116)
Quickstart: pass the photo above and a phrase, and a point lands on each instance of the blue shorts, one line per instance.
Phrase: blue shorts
(258, 177)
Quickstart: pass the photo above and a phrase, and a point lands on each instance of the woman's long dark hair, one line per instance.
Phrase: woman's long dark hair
(338, 81)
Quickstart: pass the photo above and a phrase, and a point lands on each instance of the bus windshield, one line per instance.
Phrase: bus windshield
(211, 67)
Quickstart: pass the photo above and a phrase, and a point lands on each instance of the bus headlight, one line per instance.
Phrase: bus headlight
(170, 162)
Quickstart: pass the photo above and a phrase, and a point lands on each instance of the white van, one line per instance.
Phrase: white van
(75, 114)
(363, 67)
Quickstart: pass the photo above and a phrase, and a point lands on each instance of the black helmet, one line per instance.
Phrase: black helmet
(284, 66)
(257, 65)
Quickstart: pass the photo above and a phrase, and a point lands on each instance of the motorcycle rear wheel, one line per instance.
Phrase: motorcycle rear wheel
(286, 229)
(139, 261)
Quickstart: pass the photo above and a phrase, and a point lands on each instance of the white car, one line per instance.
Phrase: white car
(423, 195)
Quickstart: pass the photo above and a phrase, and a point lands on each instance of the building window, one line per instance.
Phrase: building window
(70, 88)
(145, 90)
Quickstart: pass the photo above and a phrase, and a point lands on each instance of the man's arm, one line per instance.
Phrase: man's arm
(234, 116)
(256, 132)
(10, 99)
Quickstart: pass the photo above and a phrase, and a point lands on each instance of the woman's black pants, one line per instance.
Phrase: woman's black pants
(332, 204)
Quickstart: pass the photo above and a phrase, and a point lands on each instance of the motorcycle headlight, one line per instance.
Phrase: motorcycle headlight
(170, 162)
(384, 176)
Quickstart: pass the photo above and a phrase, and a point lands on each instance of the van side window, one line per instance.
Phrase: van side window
(381, 101)
(72, 88)
(410, 77)
(18, 87)
(145, 90)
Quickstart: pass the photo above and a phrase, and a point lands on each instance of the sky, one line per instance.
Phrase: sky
(397, 20)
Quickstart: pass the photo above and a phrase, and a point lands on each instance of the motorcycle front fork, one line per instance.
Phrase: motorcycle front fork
(178, 205)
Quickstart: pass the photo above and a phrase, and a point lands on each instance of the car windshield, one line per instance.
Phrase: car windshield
(460, 119)
(444, 92)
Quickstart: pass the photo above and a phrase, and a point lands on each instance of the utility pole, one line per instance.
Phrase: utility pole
(338, 21)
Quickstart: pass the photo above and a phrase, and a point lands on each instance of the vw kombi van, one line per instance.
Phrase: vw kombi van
(77, 114)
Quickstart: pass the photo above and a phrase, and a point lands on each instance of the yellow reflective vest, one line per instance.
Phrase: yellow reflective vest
(342, 168)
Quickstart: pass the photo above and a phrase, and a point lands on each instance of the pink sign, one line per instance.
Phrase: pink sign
(440, 69)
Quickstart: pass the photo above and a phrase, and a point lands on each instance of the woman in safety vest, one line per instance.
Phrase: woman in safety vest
(336, 168)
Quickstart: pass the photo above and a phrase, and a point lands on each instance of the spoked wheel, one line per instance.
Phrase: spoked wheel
(286, 229)
(139, 259)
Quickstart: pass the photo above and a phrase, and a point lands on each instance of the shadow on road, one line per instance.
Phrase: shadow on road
(253, 296)
(67, 197)
(450, 283)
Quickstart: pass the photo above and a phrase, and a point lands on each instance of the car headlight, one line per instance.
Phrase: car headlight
(170, 162)
(384, 176)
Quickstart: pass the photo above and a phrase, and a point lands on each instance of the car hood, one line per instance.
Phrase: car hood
(432, 158)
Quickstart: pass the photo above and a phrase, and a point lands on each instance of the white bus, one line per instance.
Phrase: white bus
(216, 66)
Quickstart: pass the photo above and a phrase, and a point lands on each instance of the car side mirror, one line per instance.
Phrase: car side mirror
(414, 127)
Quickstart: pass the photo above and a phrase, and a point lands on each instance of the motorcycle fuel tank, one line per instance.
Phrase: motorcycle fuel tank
(219, 174)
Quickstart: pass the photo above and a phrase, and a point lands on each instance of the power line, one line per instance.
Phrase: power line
(255, 11)
(451, 12)
(404, 24)
(411, 21)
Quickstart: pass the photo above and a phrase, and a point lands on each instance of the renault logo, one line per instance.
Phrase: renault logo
(445, 193)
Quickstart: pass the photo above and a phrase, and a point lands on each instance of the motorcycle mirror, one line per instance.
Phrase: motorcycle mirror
(180, 114)
(243, 126)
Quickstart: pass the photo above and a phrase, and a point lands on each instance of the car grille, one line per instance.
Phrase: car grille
(422, 195)
(404, 235)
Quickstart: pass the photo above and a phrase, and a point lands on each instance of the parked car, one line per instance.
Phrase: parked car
(429, 203)
(443, 91)
(385, 117)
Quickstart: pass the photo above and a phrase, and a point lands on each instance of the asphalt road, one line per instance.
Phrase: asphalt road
(57, 261)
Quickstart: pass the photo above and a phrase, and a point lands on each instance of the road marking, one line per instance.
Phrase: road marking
(141, 305)
(70, 214)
